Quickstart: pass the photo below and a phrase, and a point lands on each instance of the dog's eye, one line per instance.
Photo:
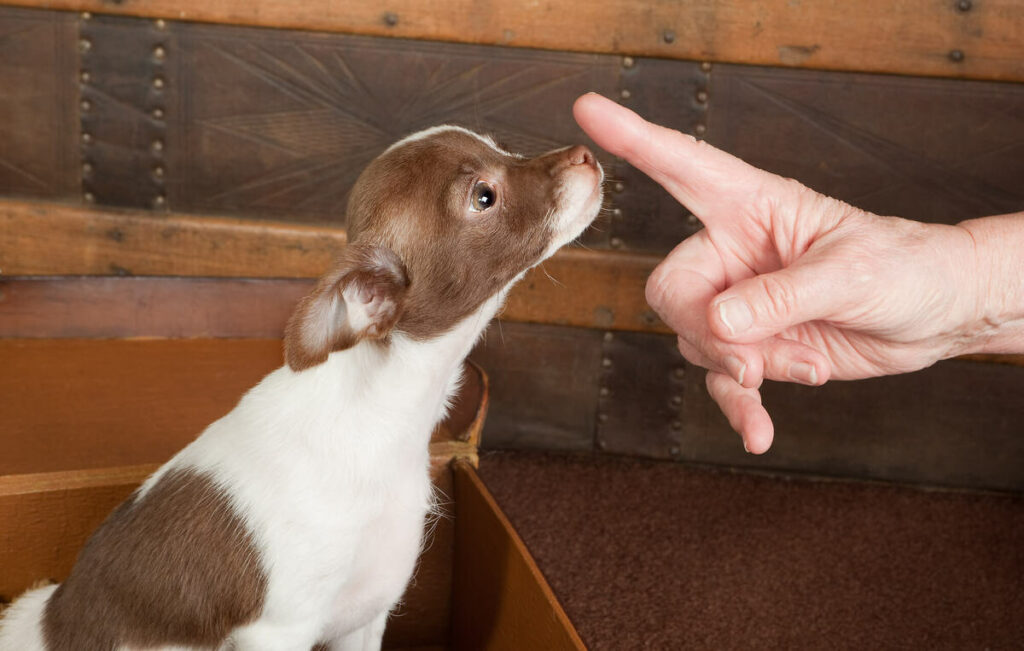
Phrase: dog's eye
(483, 197)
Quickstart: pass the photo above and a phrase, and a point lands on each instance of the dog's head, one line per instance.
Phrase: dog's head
(438, 224)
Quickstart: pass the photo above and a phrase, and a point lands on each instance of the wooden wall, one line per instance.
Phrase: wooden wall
(206, 164)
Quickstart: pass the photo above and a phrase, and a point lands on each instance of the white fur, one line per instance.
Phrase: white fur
(329, 469)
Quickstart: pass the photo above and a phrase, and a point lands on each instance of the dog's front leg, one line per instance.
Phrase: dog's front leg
(367, 638)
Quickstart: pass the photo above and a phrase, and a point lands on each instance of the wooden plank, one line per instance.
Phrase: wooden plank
(154, 306)
(105, 403)
(55, 239)
(500, 600)
(908, 37)
(38, 121)
(48, 517)
(575, 287)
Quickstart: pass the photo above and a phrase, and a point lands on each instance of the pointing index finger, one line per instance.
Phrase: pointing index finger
(695, 173)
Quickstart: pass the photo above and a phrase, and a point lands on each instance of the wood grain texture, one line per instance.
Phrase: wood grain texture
(105, 403)
(281, 123)
(927, 149)
(153, 306)
(575, 287)
(907, 37)
(38, 121)
(55, 239)
(500, 598)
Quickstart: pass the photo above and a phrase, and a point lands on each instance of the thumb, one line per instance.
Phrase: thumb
(765, 305)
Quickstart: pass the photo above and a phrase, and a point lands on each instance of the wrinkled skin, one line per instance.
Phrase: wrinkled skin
(787, 284)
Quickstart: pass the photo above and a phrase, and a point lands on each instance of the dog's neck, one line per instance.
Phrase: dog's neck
(401, 387)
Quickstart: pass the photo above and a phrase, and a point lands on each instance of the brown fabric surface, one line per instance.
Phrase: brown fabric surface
(662, 556)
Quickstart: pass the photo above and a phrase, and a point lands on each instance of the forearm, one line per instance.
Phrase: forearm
(999, 284)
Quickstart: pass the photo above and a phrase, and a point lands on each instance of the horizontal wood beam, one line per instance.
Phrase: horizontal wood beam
(978, 40)
(576, 287)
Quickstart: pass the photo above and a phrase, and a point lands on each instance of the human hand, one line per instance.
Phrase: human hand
(787, 284)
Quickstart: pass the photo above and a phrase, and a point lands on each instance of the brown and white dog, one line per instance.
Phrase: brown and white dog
(296, 519)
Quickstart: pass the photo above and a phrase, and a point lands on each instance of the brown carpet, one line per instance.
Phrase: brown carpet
(663, 556)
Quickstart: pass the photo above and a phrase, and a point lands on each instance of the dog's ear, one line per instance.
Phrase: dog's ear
(361, 298)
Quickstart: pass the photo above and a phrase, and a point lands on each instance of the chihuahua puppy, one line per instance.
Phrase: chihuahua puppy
(295, 521)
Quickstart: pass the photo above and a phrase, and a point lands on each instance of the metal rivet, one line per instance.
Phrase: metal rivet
(84, 76)
(616, 243)
(678, 373)
(160, 23)
(86, 15)
(158, 113)
(602, 418)
(676, 425)
(158, 171)
(604, 392)
(705, 66)
(700, 129)
(668, 36)
(625, 94)
(676, 401)
(390, 19)
(964, 5)
(628, 62)
(86, 137)
(608, 336)
(702, 96)
(86, 168)
(674, 450)
(616, 212)
(84, 45)
(159, 52)
(692, 220)
(158, 82)
(159, 201)
(606, 362)
(158, 145)
(619, 186)
(601, 444)
(956, 56)
(86, 105)
(89, 198)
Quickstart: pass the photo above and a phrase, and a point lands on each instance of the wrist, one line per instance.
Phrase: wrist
(996, 284)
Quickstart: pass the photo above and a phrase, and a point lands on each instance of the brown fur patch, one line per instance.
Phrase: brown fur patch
(413, 200)
(320, 325)
(176, 567)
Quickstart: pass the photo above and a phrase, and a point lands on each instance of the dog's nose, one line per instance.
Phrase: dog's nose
(580, 155)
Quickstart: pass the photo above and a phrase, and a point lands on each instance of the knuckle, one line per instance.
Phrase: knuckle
(659, 289)
(777, 297)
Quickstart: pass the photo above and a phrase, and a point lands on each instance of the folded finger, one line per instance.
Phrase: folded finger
(743, 408)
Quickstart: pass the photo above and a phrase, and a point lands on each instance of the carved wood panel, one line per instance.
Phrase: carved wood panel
(38, 130)
(282, 123)
(930, 149)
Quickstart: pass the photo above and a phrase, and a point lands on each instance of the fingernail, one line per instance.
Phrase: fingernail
(745, 448)
(735, 315)
(805, 373)
(736, 368)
